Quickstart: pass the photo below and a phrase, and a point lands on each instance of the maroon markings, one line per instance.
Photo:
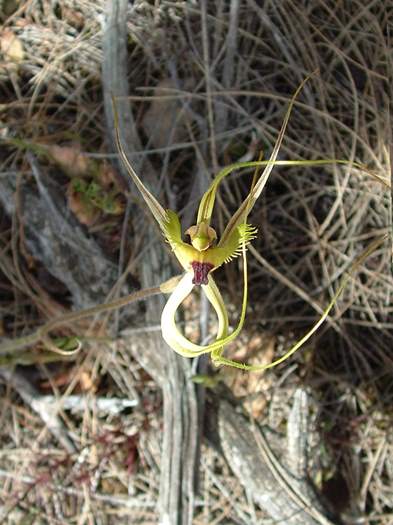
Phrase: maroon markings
(201, 269)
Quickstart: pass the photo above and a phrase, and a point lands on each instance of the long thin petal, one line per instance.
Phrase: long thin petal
(207, 202)
(240, 215)
(219, 360)
(153, 204)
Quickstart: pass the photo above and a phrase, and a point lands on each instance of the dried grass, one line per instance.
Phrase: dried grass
(231, 90)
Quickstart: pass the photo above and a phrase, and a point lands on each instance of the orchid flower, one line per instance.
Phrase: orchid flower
(205, 253)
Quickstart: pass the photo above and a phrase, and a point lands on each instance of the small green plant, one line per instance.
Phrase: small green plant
(93, 195)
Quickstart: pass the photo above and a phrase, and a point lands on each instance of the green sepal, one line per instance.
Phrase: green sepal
(155, 207)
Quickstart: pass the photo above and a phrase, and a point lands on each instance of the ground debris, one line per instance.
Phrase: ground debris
(54, 237)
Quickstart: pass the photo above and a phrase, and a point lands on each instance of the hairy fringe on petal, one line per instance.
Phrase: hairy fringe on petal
(247, 233)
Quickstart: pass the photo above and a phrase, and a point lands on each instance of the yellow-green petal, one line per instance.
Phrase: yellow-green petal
(242, 235)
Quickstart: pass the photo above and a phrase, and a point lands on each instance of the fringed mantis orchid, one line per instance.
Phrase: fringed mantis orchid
(203, 255)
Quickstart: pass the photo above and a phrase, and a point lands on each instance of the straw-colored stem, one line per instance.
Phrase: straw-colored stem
(42, 334)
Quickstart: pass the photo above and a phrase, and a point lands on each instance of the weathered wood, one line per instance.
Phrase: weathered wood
(179, 448)
(55, 238)
(287, 496)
